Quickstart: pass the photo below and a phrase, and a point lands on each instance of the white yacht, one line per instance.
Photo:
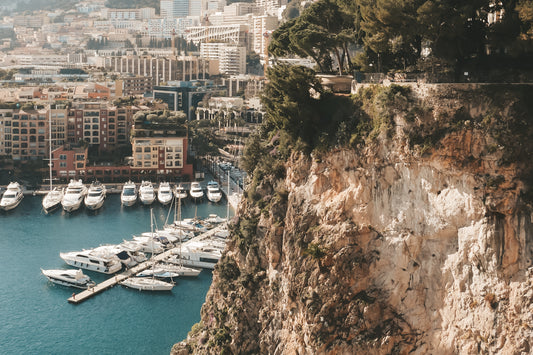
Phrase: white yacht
(128, 256)
(147, 193)
(128, 197)
(181, 270)
(52, 199)
(107, 263)
(74, 195)
(197, 256)
(12, 196)
(95, 196)
(213, 191)
(73, 278)
(196, 191)
(164, 194)
(158, 273)
(147, 284)
(181, 192)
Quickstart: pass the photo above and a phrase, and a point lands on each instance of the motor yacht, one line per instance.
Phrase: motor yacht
(12, 196)
(95, 196)
(196, 191)
(147, 284)
(74, 195)
(72, 278)
(129, 257)
(128, 197)
(213, 191)
(164, 194)
(147, 193)
(201, 256)
(52, 199)
(99, 261)
(181, 270)
(181, 192)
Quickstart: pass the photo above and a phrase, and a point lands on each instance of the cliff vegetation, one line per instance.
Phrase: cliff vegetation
(397, 220)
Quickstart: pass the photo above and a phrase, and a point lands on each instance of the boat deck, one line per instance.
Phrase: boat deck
(112, 281)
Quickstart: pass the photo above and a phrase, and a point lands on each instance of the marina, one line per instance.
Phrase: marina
(112, 281)
(31, 240)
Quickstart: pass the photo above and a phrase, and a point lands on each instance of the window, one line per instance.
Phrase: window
(63, 157)
(79, 165)
(62, 164)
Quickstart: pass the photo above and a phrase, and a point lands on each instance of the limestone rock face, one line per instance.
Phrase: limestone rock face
(376, 251)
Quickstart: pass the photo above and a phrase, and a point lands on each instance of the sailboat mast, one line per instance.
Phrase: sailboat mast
(227, 206)
(50, 142)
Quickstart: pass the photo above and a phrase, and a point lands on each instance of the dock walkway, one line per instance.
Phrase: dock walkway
(112, 281)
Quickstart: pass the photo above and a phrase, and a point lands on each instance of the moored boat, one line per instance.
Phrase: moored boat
(106, 263)
(11, 197)
(52, 199)
(147, 284)
(95, 196)
(147, 193)
(164, 194)
(213, 191)
(128, 197)
(72, 278)
(74, 195)
(196, 191)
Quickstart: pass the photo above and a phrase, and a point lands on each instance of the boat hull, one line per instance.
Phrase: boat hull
(144, 284)
(91, 266)
(11, 205)
(128, 202)
(94, 205)
(84, 284)
(71, 207)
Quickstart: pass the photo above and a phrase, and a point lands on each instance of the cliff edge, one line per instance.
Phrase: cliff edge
(416, 239)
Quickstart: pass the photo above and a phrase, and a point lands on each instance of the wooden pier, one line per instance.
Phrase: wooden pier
(112, 281)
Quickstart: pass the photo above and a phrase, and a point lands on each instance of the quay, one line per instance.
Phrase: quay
(112, 281)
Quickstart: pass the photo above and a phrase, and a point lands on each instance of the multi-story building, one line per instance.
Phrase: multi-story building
(24, 134)
(231, 58)
(68, 162)
(160, 150)
(133, 85)
(262, 29)
(184, 96)
(174, 8)
(161, 69)
(129, 14)
(270, 7)
(99, 124)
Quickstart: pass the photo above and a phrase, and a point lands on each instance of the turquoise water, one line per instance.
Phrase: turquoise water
(36, 317)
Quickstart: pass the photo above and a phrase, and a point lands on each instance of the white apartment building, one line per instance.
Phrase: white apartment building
(270, 7)
(174, 8)
(262, 29)
(195, 7)
(129, 14)
(231, 57)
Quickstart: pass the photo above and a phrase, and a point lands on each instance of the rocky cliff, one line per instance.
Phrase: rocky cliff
(418, 240)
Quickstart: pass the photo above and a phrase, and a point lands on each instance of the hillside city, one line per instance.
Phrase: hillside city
(76, 78)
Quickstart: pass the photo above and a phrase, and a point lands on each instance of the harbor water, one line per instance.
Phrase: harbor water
(36, 317)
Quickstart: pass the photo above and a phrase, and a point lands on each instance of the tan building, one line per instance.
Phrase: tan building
(163, 155)
(133, 85)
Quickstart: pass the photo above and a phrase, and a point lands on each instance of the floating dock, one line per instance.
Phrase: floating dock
(112, 281)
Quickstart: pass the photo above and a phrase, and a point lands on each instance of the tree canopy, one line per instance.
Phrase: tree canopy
(402, 34)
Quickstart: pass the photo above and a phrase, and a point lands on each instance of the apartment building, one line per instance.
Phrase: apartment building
(262, 29)
(99, 124)
(231, 58)
(24, 134)
(133, 85)
(161, 69)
